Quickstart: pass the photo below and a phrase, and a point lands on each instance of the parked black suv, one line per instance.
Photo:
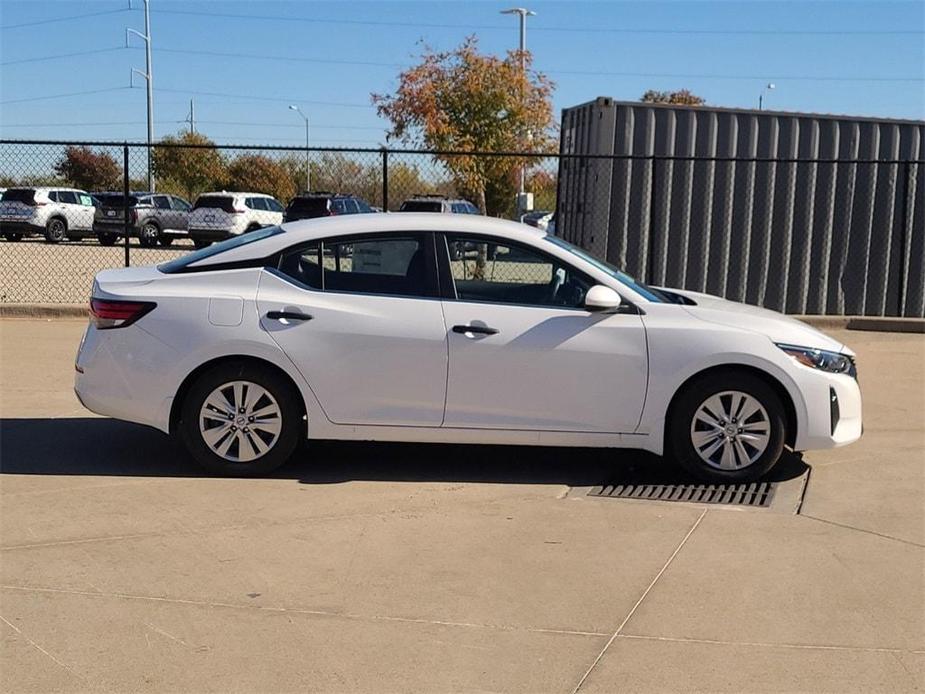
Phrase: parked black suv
(324, 204)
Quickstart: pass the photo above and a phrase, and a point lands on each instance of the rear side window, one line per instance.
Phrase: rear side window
(221, 202)
(340, 206)
(389, 265)
(67, 196)
(421, 206)
(256, 203)
(162, 202)
(23, 195)
(182, 263)
(363, 207)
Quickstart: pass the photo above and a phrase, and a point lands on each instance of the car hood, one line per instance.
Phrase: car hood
(778, 327)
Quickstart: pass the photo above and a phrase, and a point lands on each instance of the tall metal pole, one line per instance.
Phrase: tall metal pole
(523, 14)
(149, 79)
(308, 168)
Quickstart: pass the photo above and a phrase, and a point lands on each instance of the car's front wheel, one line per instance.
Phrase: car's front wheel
(201, 243)
(727, 427)
(107, 238)
(241, 419)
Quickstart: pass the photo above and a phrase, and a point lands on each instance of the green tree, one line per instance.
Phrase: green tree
(681, 97)
(83, 168)
(260, 174)
(188, 170)
(467, 101)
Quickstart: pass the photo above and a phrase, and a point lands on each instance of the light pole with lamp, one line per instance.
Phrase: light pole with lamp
(523, 13)
(308, 169)
(768, 87)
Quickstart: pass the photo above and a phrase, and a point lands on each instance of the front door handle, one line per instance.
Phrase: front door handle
(288, 315)
(477, 329)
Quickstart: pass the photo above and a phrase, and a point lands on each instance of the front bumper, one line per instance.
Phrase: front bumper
(833, 410)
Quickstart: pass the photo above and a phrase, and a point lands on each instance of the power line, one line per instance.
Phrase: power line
(62, 55)
(557, 29)
(285, 99)
(790, 78)
(256, 56)
(198, 121)
(64, 19)
(63, 96)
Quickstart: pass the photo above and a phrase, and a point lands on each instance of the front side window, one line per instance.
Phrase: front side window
(390, 265)
(273, 205)
(180, 204)
(496, 271)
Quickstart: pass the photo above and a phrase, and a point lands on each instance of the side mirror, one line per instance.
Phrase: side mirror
(601, 298)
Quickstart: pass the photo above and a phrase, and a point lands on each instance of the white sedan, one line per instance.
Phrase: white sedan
(454, 329)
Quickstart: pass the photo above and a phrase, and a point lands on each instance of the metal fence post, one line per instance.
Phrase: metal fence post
(904, 239)
(385, 180)
(125, 200)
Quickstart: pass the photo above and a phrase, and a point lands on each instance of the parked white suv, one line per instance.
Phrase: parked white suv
(56, 213)
(217, 216)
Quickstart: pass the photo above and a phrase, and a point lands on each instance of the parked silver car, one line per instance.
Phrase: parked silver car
(153, 217)
(56, 213)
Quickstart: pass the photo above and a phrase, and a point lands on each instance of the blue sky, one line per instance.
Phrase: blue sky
(244, 62)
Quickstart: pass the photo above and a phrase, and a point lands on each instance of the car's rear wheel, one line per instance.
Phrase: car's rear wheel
(728, 427)
(107, 238)
(241, 419)
(11, 236)
(201, 243)
(148, 235)
(55, 230)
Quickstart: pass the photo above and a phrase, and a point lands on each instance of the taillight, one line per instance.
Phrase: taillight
(112, 313)
(133, 215)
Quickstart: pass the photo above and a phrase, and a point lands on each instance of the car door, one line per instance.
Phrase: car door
(181, 209)
(525, 354)
(163, 211)
(360, 317)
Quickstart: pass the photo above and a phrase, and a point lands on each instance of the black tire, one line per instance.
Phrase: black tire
(680, 443)
(148, 235)
(252, 227)
(288, 400)
(165, 240)
(201, 243)
(107, 238)
(55, 230)
(12, 236)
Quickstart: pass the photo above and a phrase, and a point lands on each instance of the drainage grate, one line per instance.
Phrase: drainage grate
(754, 494)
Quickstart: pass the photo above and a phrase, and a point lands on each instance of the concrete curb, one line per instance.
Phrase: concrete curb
(46, 311)
(874, 323)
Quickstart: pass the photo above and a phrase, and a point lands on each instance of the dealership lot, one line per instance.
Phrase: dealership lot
(429, 568)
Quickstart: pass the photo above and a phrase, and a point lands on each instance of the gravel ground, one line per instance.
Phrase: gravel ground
(32, 271)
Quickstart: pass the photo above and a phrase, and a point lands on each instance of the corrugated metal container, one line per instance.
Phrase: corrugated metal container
(799, 212)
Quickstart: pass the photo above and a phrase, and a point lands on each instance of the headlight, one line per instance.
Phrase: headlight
(833, 362)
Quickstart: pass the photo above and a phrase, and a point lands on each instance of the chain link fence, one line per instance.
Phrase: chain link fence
(826, 237)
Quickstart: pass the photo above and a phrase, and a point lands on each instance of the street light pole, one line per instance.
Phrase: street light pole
(523, 13)
(308, 170)
(149, 79)
(768, 87)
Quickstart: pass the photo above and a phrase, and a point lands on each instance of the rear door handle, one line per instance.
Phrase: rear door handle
(477, 329)
(288, 315)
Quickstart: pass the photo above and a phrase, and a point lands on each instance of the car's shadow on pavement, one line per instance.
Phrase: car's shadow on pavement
(106, 447)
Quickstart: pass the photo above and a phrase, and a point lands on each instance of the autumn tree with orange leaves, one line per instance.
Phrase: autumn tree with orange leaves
(463, 100)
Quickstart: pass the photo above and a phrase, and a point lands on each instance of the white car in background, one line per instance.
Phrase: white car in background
(363, 327)
(218, 216)
(57, 213)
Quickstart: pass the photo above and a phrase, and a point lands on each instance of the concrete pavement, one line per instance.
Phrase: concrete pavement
(385, 568)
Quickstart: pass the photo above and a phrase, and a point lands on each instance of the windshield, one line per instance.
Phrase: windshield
(638, 287)
(180, 264)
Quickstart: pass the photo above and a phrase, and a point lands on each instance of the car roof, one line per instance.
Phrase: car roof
(46, 189)
(232, 193)
(350, 225)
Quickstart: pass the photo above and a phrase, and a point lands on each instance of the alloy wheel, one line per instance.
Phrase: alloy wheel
(240, 421)
(730, 430)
